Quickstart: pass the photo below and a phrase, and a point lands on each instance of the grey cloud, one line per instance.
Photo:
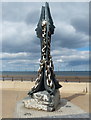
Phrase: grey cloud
(70, 58)
(13, 48)
(20, 38)
(65, 11)
(81, 24)
(31, 13)
(11, 11)
(72, 41)
(32, 17)
(18, 11)
(78, 62)
(23, 38)
(17, 66)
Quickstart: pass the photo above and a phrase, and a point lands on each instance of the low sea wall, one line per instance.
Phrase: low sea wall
(67, 87)
(33, 78)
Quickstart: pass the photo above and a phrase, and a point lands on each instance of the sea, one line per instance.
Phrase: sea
(59, 73)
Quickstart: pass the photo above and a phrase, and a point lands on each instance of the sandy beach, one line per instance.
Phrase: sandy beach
(12, 92)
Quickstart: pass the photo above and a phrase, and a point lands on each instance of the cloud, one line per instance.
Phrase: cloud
(14, 55)
(66, 36)
(32, 17)
(68, 32)
(64, 57)
(19, 37)
(20, 45)
(67, 55)
(17, 11)
(70, 59)
(81, 24)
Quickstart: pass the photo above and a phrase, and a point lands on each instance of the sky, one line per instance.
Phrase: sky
(69, 44)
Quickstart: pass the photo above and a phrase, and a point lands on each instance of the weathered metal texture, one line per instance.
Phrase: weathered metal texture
(46, 77)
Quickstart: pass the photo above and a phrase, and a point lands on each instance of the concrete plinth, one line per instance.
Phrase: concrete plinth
(42, 101)
(64, 110)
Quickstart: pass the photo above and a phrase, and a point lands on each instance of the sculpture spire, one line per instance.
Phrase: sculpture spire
(46, 78)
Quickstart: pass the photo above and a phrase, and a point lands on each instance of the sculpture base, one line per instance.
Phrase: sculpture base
(65, 109)
(42, 101)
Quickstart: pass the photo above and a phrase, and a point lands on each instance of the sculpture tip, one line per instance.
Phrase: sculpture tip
(46, 4)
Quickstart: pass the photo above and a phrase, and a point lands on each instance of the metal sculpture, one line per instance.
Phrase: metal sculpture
(46, 77)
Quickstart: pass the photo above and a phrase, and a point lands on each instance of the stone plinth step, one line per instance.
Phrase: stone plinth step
(65, 109)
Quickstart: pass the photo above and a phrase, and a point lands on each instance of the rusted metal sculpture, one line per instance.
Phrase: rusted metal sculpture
(46, 78)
